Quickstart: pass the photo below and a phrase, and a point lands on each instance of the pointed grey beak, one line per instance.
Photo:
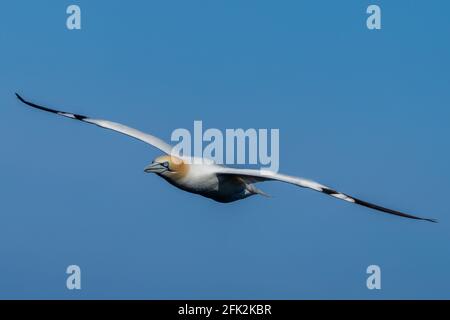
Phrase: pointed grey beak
(155, 167)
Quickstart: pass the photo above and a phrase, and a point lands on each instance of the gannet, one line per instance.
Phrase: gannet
(220, 183)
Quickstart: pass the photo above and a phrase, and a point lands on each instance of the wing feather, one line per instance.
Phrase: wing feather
(134, 133)
(260, 175)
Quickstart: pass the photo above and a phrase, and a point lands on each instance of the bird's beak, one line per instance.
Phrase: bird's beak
(155, 167)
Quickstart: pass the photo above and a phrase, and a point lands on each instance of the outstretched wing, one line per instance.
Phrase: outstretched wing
(147, 138)
(259, 176)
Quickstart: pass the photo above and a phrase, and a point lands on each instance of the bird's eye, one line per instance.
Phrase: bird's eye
(165, 164)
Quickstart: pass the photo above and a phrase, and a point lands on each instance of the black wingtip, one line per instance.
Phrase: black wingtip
(390, 211)
(34, 105)
(61, 113)
(19, 97)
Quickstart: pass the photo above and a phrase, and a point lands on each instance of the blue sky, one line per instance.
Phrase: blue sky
(366, 112)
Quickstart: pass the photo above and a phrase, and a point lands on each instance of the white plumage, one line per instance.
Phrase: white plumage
(219, 183)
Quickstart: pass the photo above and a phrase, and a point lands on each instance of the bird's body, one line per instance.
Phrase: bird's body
(205, 178)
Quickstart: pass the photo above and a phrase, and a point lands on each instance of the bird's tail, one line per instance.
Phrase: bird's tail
(254, 190)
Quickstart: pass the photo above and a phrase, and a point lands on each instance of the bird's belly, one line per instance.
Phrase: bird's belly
(196, 184)
(221, 189)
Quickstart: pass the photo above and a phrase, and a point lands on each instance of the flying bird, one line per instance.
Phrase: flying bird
(217, 182)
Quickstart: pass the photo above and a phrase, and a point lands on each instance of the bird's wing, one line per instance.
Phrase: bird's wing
(147, 138)
(259, 176)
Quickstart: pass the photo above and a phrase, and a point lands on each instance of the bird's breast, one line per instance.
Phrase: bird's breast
(198, 179)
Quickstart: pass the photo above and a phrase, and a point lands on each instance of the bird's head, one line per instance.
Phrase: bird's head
(168, 166)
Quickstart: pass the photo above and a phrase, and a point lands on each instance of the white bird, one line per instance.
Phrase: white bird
(220, 183)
